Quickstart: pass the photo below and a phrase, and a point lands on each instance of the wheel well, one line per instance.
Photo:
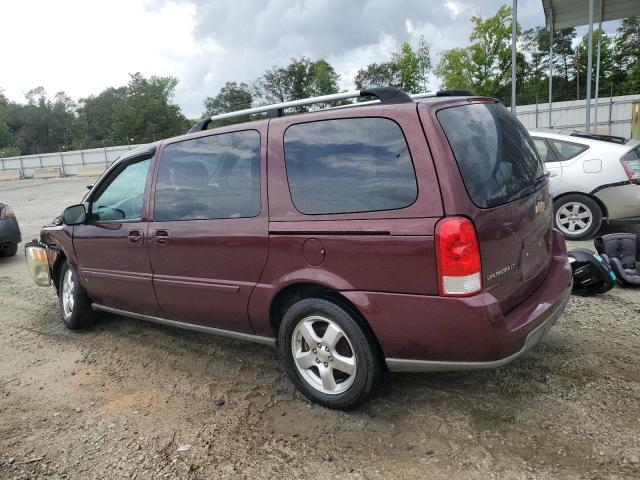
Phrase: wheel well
(298, 291)
(602, 206)
(55, 270)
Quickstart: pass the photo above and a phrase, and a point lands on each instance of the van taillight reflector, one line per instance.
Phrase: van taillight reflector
(458, 257)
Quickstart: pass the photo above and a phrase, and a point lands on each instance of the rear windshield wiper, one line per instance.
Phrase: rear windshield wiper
(542, 178)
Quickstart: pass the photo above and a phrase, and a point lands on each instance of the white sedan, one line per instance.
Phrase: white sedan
(591, 180)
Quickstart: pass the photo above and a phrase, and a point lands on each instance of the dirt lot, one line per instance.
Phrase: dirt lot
(131, 400)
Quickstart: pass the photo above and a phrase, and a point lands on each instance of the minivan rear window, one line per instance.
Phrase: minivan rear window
(496, 156)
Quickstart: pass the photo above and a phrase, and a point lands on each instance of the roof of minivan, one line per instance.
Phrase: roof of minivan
(328, 111)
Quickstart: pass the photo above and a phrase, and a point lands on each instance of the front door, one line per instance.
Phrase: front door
(112, 246)
(209, 239)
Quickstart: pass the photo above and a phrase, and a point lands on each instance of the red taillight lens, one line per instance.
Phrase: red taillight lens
(6, 212)
(632, 167)
(458, 256)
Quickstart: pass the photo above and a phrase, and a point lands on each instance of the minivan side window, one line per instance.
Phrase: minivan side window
(123, 197)
(349, 165)
(567, 150)
(209, 177)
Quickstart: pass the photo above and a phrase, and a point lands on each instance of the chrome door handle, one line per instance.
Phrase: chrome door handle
(161, 237)
(135, 236)
(553, 173)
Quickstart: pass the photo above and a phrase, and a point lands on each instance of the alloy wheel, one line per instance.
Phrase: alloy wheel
(323, 355)
(574, 218)
(67, 293)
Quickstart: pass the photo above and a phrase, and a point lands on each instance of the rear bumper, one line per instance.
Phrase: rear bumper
(9, 231)
(402, 365)
(426, 333)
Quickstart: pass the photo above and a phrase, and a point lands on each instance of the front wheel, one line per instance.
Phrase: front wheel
(577, 216)
(75, 306)
(328, 355)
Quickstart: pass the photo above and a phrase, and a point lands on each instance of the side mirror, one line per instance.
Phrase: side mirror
(74, 215)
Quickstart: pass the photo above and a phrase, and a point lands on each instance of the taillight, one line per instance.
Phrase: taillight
(6, 212)
(458, 257)
(632, 167)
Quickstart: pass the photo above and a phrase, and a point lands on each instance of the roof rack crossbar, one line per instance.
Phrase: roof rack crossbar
(385, 95)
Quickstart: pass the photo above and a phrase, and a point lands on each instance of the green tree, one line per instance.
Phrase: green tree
(95, 117)
(455, 69)
(147, 112)
(6, 135)
(487, 61)
(408, 69)
(607, 59)
(627, 56)
(377, 75)
(302, 78)
(232, 97)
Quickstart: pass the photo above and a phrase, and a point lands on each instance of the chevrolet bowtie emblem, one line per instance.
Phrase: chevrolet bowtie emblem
(540, 206)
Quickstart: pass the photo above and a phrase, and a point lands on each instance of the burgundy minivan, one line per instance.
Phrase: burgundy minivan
(405, 235)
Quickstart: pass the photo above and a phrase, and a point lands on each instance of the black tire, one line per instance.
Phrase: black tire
(9, 251)
(369, 371)
(81, 314)
(590, 206)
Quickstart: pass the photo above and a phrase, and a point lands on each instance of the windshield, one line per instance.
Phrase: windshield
(496, 156)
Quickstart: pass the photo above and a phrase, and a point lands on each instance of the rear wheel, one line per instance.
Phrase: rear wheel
(328, 355)
(75, 306)
(577, 216)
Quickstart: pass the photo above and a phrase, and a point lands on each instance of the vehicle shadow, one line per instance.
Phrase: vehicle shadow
(491, 399)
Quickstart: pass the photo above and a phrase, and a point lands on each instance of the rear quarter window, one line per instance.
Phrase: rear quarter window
(567, 150)
(494, 152)
(349, 165)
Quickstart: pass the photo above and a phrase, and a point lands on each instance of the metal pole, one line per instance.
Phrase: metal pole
(610, 107)
(61, 160)
(595, 119)
(513, 56)
(589, 66)
(550, 68)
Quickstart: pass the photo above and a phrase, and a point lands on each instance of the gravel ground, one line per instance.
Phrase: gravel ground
(127, 399)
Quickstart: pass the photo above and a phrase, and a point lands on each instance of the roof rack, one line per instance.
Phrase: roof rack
(385, 95)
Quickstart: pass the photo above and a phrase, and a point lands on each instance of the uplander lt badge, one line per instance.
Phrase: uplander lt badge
(500, 272)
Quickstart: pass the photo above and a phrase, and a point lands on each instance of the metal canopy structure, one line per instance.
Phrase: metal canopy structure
(560, 14)
(575, 13)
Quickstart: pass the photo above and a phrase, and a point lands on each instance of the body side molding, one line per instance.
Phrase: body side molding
(189, 326)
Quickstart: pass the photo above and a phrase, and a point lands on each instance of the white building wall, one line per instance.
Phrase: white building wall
(614, 115)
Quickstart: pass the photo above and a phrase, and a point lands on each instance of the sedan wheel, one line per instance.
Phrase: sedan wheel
(574, 218)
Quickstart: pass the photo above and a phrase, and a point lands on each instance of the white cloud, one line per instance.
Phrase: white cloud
(83, 46)
(452, 7)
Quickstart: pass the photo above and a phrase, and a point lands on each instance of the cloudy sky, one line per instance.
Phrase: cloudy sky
(84, 46)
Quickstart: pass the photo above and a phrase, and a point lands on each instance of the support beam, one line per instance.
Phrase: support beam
(514, 32)
(589, 66)
(550, 68)
(595, 119)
